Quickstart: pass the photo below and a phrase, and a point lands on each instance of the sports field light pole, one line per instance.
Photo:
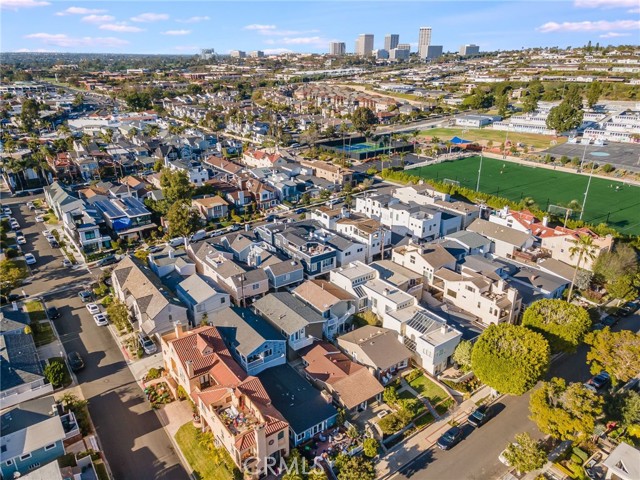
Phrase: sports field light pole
(479, 172)
(593, 166)
(584, 153)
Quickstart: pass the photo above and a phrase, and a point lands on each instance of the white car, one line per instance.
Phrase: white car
(101, 319)
(50, 238)
(46, 233)
(29, 258)
(39, 219)
(67, 263)
(14, 224)
(6, 211)
(21, 240)
(93, 308)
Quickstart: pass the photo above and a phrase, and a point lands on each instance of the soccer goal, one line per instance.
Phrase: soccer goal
(561, 212)
(448, 181)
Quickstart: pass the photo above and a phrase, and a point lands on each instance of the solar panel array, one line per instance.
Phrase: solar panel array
(134, 207)
(422, 323)
(109, 209)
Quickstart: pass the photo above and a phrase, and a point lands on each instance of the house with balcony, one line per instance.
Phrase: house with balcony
(367, 231)
(21, 375)
(331, 302)
(285, 273)
(307, 411)
(254, 343)
(203, 298)
(489, 299)
(337, 175)
(351, 385)
(290, 316)
(400, 277)
(234, 406)
(60, 200)
(472, 243)
(559, 241)
(223, 169)
(82, 227)
(126, 217)
(351, 277)
(383, 298)
(300, 244)
(194, 170)
(507, 241)
(262, 158)
(427, 335)
(424, 259)
(33, 434)
(212, 208)
(153, 307)
(378, 349)
(244, 284)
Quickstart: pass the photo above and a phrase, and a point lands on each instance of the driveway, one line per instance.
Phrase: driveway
(131, 434)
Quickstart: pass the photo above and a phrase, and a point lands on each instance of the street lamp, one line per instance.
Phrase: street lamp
(593, 165)
(479, 172)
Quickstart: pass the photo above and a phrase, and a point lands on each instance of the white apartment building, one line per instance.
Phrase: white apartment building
(391, 41)
(424, 40)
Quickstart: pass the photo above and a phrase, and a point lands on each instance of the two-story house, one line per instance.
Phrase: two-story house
(127, 217)
(425, 259)
(235, 407)
(366, 231)
(203, 298)
(295, 320)
(284, 274)
(243, 284)
(506, 240)
(336, 174)
(331, 302)
(351, 277)
(316, 257)
(212, 208)
(254, 343)
(262, 158)
(351, 385)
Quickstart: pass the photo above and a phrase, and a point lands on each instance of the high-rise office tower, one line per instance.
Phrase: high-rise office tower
(364, 44)
(337, 48)
(404, 46)
(391, 41)
(433, 52)
(424, 40)
(469, 50)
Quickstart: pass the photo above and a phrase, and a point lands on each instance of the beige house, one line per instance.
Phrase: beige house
(333, 173)
(424, 259)
(211, 208)
(232, 405)
(507, 241)
(558, 242)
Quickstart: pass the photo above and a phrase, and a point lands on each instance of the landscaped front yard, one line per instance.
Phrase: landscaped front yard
(40, 327)
(205, 463)
(429, 389)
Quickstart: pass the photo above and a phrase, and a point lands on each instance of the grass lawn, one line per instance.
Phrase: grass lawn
(443, 407)
(618, 208)
(427, 388)
(497, 136)
(35, 310)
(199, 457)
(425, 419)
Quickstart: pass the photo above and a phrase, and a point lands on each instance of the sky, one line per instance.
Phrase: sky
(185, 27)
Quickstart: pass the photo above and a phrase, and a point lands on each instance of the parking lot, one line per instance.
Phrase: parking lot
(621, 155)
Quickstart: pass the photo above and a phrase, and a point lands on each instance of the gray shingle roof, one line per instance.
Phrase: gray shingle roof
(243, 330)
(286, 311)
(19, 361)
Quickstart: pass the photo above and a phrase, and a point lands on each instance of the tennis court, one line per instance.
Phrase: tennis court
(359, 147)
(609, 201)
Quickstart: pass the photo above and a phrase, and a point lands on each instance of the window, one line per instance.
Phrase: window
(470, 289)
(26, 456)
(299, 436)
(8, 462)
(280, 434)
(451, 293)
(223, 300)
(412, 259)
(256, 286)
(346, 254)
(49, 447)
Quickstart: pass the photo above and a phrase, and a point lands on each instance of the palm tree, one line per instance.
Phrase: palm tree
(402, 155)
(584, 248)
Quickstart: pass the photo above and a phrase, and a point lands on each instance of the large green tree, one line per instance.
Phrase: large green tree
(118, 314)
(175, 185)
(12, 274)
(29, 115)
(617, 353)
(525, 454)
(510, 358)
(564, 117)
(363, 120)
(619, 270)
(565, 412)
(462, 354)
(563, 324)
(356, 468)
(183, 219)
(593, 94)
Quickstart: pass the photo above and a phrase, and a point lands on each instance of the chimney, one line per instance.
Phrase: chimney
(545, 221)
(171, 253)
(444, 328)
(177, 329)
(386, 291)
(14, 306)
(189, 366)
(344, 212)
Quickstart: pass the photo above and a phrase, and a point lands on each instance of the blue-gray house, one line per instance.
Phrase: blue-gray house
(33, 434)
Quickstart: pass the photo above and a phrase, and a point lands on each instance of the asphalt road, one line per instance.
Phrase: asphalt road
(476, 457)
(135, 444)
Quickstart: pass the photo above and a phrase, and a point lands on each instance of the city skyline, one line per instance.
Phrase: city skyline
(187, 27)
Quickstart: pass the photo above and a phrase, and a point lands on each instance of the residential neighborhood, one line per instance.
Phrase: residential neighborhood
(281, 264)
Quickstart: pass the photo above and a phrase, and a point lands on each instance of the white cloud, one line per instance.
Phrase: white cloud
(634, 10)
(35, 50)
(194, 19)
(150, 17)
(615, 35)
(588, 26)
(16, 4)
(257, 26)
(606, 3)
(98, 18)
(177, 32)
(316, 41)
(63, 40)
(80, 11)
(121, 27)
(276, 51)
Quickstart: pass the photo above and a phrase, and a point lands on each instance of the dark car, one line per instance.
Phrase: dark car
(85, 296)
(628, 308)
(54, 244)
(300, 210)
(479, 416)
(75, 361)
(609, 321)
(53, 313)
(600, 381)
(108, 260)
(450, 438)
(271, 218)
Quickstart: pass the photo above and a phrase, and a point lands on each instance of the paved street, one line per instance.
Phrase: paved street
(476, 457)
(131, 434)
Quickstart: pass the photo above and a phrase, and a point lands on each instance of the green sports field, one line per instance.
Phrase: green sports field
(609, 201)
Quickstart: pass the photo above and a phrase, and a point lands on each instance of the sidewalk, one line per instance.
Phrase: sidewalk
(405, 452)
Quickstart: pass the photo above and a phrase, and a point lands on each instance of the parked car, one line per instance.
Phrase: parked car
(199, 235)
(93, 308)
(450, 438)
(600, 382)
(29, 258)
(13, 223)
(108, 260)
(628, 308)
(66, 263)
(147, 344)
(39, 218)
(176, 242)
(6, 210)
(53, 313)
(155, 248)
(234, 228)
(300, 210)
(21, 240)
(101, 319)
(479, 416)
(75, 361)
(85, 296)
(609, 321)
(54, 243)
(31, 206)
(46, 233)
